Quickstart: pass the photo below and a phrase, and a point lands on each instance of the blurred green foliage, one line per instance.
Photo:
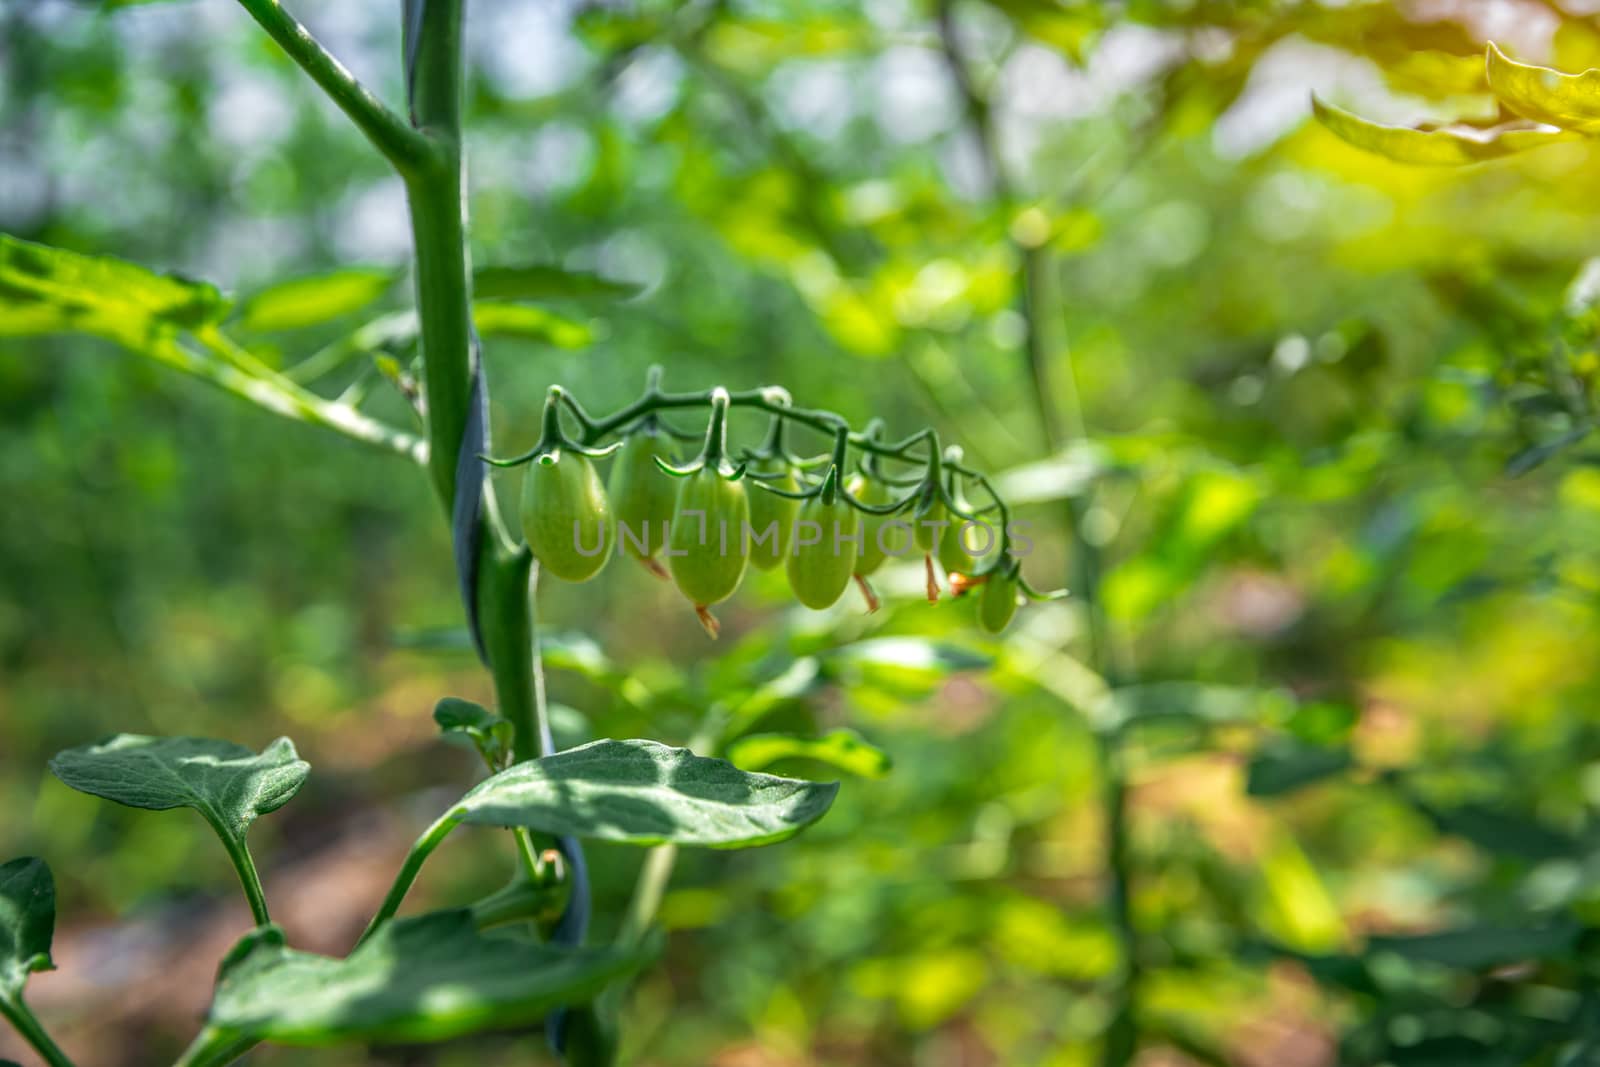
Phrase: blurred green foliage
(1339, 464)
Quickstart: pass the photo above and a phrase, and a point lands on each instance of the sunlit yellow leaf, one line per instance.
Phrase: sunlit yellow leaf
(1576, 45)
(1294, 906)
(1433, 73)
(47, 290)
(1571, 101)
(1448, 146)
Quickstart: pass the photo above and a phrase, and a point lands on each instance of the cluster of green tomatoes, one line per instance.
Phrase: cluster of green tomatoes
(717, 515)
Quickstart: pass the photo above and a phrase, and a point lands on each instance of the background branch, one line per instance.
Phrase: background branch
(1037, 308)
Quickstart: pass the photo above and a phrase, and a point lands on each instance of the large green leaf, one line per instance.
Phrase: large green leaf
(51, 290)
(425, 979)
(27, 921)
(844, 749)
(312, 300)
(225, 782)
(1447, 146)
(645, 793)
(1571, 101)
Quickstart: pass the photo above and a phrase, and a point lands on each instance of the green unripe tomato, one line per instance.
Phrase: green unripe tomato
(871, 491)
(820, 571)
(952, 557)
(962, 548)
(707, 553)
(566, 518)
(642, 494)
(928, 512)
(997, 603)
(771, 510)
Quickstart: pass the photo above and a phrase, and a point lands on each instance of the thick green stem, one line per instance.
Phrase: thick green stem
(438, 230)
(15, 1012)
(504, 579)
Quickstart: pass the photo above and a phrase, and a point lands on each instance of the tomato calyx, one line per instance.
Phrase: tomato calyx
(553, 438)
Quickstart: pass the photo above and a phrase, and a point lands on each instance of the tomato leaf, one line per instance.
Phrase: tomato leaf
(498, 318)
(1570, 101)
(1501, 833)
(1479, 948)
(313, 300)
(645, 793)
(226, 783)
(1285, 768)
(1447, 146)
(488, 732)
(44, 290)
(27, 922)
(544, 281)
(429, 978)
(844, 749)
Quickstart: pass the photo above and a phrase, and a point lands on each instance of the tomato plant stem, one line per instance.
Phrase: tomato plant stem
(21, 1017)
(249, 878)
(420, 851)
(518, 902)
(446, 331)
